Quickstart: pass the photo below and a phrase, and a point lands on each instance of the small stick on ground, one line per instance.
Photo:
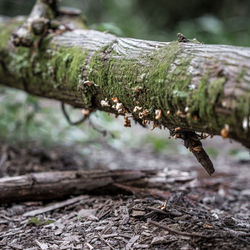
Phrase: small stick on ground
(157, 210)
(55, 206)
(178, 232)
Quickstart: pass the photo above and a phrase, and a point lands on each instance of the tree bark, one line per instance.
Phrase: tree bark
(55, 185)
(184, 86)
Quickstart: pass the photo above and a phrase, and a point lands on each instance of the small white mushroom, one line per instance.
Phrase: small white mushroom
(137, 108)
(118, 106)
(105, 103)
(158, 114)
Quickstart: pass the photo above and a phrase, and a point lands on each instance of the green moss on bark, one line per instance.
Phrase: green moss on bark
(161, 80)
(151, 81)
(6, 30)
(44, 69)
(68, 64)
(167, 82)
(158, 80)
(202, 100)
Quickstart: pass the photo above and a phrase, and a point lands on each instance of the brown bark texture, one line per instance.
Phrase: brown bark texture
(56, 185)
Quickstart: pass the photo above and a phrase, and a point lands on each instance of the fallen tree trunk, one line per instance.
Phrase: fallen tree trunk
(55, 185)
(182, 85)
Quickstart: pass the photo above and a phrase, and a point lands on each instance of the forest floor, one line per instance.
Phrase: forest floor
(194, 210)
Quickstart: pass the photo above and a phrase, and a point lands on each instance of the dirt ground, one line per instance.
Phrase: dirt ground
(193, 210)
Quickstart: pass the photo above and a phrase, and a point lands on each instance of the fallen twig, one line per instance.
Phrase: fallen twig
(55, 206)
(179, 232)
(157, 210)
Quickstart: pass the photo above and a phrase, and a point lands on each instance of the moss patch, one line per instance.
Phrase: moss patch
(208, 93)
(150, 81)
(6, 30)
(68, 64)
(44, 69)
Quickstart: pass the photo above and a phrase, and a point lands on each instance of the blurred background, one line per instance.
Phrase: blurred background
(225, 21)
(27, 118)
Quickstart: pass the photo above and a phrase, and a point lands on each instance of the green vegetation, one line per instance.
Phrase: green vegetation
(141, 83)
(160, 144)
(212, 151)
(239, 155)
(35, 221)
(6, 31)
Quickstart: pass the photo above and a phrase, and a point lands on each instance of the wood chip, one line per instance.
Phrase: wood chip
(42, 246)
(131, 242)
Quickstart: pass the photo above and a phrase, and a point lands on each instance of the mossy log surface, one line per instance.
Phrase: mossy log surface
(194, 86)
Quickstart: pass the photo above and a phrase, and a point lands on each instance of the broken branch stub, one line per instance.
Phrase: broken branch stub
(37, 23)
